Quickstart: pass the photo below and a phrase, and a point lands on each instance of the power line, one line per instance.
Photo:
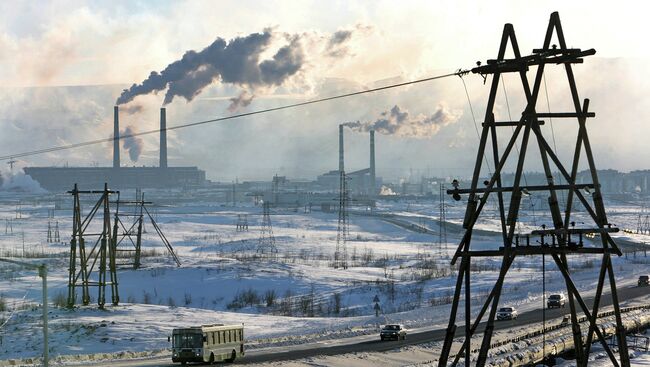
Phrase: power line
(219, 119)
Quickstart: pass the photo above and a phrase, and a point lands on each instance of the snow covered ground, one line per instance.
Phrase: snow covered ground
(294, 297)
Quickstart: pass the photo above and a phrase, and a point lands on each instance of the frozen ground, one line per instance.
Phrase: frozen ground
(294, 297)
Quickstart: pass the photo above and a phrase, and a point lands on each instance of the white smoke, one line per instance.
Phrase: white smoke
(386, 191)
(20, 182)
(402, 123)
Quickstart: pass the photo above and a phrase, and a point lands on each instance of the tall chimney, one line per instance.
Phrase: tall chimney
(341, 165)
(163, 138)
(116, 137)
(373, 184)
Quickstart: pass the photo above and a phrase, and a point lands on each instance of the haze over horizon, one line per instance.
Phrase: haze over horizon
(241, 64)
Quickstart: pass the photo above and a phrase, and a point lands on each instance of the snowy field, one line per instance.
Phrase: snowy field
(295, 296)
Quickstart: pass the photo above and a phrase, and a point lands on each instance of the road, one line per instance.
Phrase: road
(375, 345)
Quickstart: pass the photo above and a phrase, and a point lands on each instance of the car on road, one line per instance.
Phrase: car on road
(556, 300)
(644, 280)
(507, 313)
(393, 331)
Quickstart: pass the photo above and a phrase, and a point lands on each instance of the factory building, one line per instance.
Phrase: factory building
(117, 177)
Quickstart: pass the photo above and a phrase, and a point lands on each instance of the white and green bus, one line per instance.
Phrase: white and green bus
(207, 343)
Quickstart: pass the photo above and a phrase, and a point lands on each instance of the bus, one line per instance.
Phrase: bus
(207, 343)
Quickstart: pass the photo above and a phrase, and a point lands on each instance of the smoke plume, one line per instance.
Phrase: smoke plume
(401, 123)
(242, 100)
(133, 109)
(235, 62)
(133, 144)
(20, 182)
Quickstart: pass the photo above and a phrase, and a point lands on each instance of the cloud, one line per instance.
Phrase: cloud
(402, 123)
(336, 44)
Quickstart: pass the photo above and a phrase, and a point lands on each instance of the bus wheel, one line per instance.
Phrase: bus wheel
(211, 361)
(232, 357)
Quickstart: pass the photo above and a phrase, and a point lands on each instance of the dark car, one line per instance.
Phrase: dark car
(393, 331)
(556, 300)
(644, 280)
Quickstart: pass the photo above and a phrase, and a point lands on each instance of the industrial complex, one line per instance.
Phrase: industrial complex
(63, 178)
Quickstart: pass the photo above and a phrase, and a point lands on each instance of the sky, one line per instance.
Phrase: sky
(64, 64)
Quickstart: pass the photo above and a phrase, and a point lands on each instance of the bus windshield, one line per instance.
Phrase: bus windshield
(188, 340)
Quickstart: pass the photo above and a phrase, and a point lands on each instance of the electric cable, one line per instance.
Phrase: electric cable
(550, 119)
(231, 117)
(471, 110)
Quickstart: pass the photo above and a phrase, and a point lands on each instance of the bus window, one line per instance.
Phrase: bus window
(229, 336)
(213, 341)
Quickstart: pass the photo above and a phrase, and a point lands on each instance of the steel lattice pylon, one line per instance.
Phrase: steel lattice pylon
(103, 250)
(555, 241)
(267, 240)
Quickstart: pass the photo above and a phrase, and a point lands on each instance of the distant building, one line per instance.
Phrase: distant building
(88, 178)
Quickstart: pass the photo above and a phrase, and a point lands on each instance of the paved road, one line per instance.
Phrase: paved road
(413, 338)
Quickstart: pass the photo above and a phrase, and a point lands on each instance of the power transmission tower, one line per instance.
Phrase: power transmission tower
(561, 243)
(266, 242)
(643, 222)
(242, 223)
(57, 237)
(49, 232)
(343, 231)
(125, 234)
(82, 263)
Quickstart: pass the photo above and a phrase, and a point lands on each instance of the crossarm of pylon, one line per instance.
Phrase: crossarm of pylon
(480, 190)
(557, 56)
(583, 306)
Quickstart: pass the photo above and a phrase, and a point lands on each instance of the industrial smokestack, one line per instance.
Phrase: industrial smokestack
(341, 165)
(116, 138)
(373, 184)
(163, 138)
